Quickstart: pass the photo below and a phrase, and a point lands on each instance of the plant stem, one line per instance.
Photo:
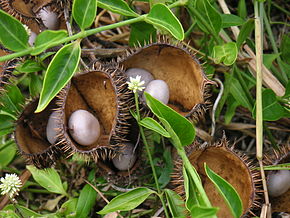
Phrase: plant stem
(82, 34)
(149, 155)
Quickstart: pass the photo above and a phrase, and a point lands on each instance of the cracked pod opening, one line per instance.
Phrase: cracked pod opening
(178, 67)
(281, 202)
(231, 166)
(31, 138)
(104, 94)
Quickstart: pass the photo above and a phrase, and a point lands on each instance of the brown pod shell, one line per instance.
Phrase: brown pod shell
(233, 167)
(30, 136)
(103, 93)
(179, 68)
(281, 156)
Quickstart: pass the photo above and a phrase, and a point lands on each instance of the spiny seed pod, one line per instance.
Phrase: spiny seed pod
(104, 94)
(233, 167)
(279, 190)
(179, 68)
(31, 135)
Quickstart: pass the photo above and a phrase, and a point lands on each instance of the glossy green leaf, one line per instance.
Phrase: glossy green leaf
(127, 201)
(11, 100)
(26, 212)
(29, 66)
(202, 212)
(86, 201)
(229, 20)
(175, 204)
(152, 124)
(59, 72)
(162, 17)
(227, 191)
(84, 12)
(226, 53)
(210, 14)
(35, 85)
(245, 32)
(8, 211)
(269, 58)
(272, 110)
(242, 9)
(48, 179)
(45, 38)
(141, 33)
(68, 208)
(180, 125)
(117, 6)
(13, 34)
(7, 153)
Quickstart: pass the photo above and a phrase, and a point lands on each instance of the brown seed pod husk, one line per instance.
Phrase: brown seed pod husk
(179, 68)
(233, 167)
(104, 93)
(281, 156)
(30, 136)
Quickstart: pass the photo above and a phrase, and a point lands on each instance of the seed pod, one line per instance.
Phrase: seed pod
(31, 137)
(178, 67)
(104, 94)
(279, 203)
(231, 166)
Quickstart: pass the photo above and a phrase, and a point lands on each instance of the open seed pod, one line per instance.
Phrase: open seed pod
(279, 198)
(103, 94)
(180, 70)
(32, 138)
(233, 167)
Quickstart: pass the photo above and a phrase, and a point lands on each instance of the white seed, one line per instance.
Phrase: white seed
(159, 90)
(84, 127)
(49, 18)
(145, 76)
(126, 158)
(32, 38)
(278, 182)
(51, 128)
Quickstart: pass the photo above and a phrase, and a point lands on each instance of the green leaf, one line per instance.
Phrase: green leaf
(117, 6)
(162, 17)
(48, 179)
(59, 72)
(210, 14)
(201, 212)
(229, 20)
(45, 38)
(127, 201)
(29, 66)
(84, 12)
(287, 91)
(242, 9)
(152, 124)
(13, 34)
(227, 191)
(26, 212)
(167, 170)
(226, 53)
(180, 125)
(284, 166)
(35, 85)
(175, 204)
(7, 153)
(12, 100)
(232, 104)
(269, 58)
(285, 48)
(272, 110)
(141, 33)
(68, 208)
(245, 32)
(86, 201)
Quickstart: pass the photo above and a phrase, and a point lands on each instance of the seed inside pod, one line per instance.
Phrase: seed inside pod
(126, 158)
(84, 127)
(51, 128)
(145, 76)
(278, 182)
(49, 18)
(159, 90)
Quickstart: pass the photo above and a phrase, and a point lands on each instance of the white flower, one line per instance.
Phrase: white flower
(10, 185)
(135, 84)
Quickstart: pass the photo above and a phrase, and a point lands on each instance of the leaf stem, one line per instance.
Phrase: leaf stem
(149, 155)
(82, 34)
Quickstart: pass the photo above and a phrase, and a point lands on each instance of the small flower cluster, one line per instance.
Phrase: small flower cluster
(135, 84)
(10, 185)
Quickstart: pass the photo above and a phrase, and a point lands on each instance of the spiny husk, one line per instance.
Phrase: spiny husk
(30, 136)
(232, 166)
(6, 70)
(104, 93)
(179, 68)
(282, 202)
